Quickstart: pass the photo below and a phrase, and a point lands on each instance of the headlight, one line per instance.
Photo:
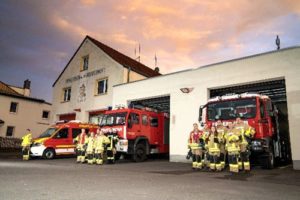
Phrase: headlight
(256, 143)
(36, 144)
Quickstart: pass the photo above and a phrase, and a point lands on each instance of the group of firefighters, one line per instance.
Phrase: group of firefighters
(211, 146)
(94, 148)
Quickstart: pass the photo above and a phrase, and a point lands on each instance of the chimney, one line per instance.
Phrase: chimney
(156, 69)
(26, 88)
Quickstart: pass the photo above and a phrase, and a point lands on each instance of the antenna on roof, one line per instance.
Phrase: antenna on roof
(156, 67)
(139, 56)
(277, 41)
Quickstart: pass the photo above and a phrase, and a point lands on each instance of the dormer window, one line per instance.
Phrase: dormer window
(85, 63)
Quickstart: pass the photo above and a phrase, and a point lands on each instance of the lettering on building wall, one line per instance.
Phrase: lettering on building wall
(87, 75)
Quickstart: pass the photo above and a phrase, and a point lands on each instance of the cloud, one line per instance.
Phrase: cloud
(41, 36)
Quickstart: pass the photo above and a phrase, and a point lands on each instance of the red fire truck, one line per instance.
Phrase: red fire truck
(269, 143)
(58, 139)
(141, 132)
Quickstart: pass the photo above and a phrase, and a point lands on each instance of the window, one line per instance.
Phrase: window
(67, 94)
(45, 114)
(102, 86)
(62, 134)
(85, 63)
(135, 118)
(13, 107)
(154, 121)
(75, 132)
(10, 131)
(262, 110)
(144, 120)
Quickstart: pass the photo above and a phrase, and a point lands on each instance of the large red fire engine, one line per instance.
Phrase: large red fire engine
(258, 111)
(141, 132)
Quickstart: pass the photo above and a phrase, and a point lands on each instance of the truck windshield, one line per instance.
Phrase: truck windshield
(114, 119)
(48, 132)
(226, 110)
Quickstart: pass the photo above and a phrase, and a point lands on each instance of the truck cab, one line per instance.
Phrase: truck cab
(255, 110)
(58, 139)
(140, 132)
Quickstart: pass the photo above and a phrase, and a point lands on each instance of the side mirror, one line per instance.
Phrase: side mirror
(200, 114)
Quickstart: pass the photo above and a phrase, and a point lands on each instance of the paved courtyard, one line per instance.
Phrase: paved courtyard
(155, 179)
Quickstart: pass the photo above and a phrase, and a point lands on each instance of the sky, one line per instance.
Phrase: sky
(38, 38)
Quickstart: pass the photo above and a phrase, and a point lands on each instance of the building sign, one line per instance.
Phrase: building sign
(87, 75)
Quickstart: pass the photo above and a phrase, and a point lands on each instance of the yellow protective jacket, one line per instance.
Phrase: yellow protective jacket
(233, 141)
(100, 141)
(213, 144)
(245, 131)
(90, 144)
(26, 140)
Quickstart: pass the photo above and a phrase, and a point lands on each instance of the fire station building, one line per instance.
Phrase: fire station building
(275, 73)
(84, 88)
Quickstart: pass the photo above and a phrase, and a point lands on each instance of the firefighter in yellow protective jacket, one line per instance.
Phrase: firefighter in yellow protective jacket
(100, 142)
(246, 133)
(205, 137)
(233, 147)
(196, 144)
(111, 147)
(81, 142)
(90, 149)
(214, 150)
(26, 142)
(222, 130)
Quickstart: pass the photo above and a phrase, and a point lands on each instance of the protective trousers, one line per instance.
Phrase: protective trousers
(233, 156)
(25, 152)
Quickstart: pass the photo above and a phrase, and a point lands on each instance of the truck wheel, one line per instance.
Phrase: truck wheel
(268, 161)
(140, 153)
(49, 154)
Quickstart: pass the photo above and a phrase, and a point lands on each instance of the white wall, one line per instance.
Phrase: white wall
(28, 115)
(184, 107)
(115, 72)
(97, 60)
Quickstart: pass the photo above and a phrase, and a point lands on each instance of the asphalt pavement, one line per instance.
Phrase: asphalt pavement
(154, 179)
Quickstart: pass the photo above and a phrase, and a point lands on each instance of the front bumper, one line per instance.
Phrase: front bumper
(122, 146)
(37, 151)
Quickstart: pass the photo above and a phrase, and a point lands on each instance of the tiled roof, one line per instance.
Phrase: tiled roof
(5, 89)
(8, 91)
(122, 59)
(125, 60)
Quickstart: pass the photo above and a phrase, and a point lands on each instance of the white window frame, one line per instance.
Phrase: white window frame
(105, 86)
(65, 95)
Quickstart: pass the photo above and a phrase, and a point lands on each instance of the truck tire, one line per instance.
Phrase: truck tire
(268, 161)
(49, 154)
(140, 153)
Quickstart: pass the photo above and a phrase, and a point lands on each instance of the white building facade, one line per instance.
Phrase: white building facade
(83, 91)
(19, 111)
(271, 67)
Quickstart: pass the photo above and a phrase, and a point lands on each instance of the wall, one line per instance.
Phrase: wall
(97, 60)
(184, 107)
(115, 72)
(29, 115)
